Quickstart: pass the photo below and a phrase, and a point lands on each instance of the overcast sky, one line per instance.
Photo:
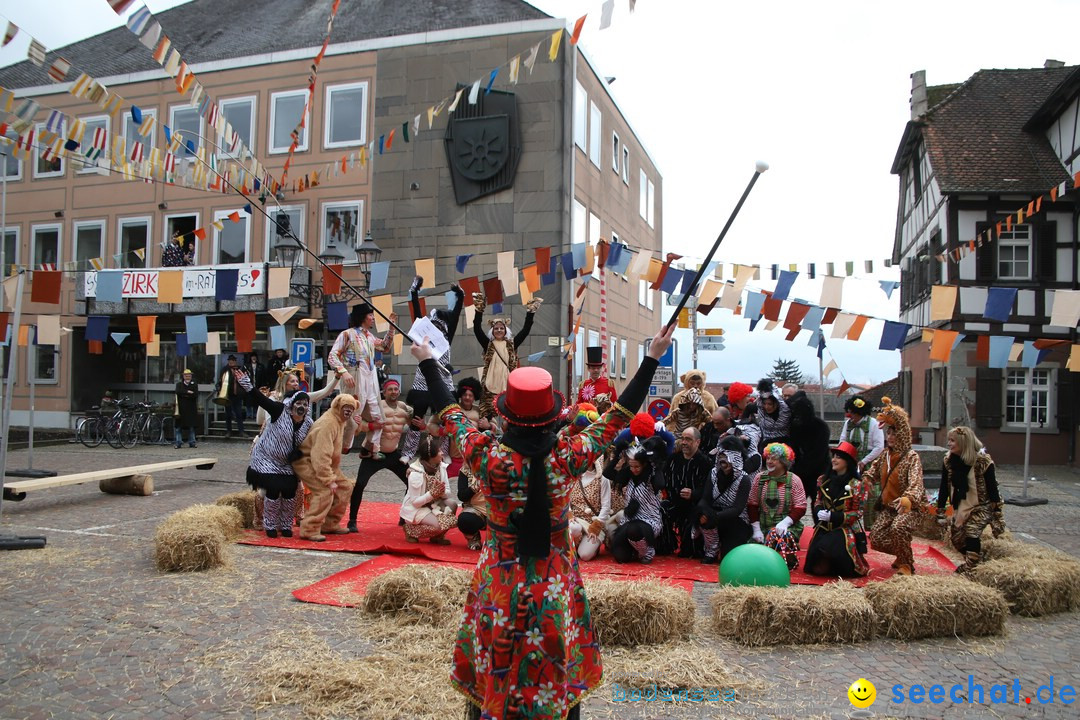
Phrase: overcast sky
(818, 90)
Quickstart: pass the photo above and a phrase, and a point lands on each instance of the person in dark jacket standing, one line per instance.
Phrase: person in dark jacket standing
(187, 408)
(234, 397)
(810, 441)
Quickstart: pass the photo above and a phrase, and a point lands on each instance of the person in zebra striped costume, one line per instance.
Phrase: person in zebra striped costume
(722, 515)
(639, 477)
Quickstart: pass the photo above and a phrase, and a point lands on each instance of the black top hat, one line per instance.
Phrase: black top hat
(359, 312)
(594, 355)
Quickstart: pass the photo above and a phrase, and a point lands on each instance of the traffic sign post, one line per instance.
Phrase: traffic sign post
(302, 351)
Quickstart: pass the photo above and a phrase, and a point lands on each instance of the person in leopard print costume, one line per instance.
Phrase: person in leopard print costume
(899, 473)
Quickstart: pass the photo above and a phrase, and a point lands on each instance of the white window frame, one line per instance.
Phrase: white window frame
(223, 216)
(579, 229)
(34, 229)
(54, 350)
(10, 152)
(579, 356)
(596, 125)
(40, 145)
(1049, 388)
(77, 225)
(616, 145)
(166, 236)
(271, 225)
(643, 195)
(1012, 239)
(642, 291)
(135, 130)
(649, 293)
(613, 345)
(626, 165)
(581, 116)
(652, 205)
(640, 353)
(249, 143)
(337, 204)
(8, 262)
(184, 153)
(330, 90)
(102, 163)
(300, 147)
(123, 222)
(622, 358)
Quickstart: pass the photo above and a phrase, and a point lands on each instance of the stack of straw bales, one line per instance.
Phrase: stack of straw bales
(912, 607)
(244, 502)
(195, 538)
(1036, 580)
(639, 613)
(797, 615)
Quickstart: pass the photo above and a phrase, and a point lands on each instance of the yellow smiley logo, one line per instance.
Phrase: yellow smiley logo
(862, 693)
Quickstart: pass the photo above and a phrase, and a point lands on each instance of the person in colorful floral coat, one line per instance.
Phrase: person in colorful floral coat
(526, 647)
(899, 472)
(777, 503)
(838, 546)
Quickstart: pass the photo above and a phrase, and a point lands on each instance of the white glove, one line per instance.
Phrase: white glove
(823, 515)
(243, 380)
(783, 525)
(757, 536)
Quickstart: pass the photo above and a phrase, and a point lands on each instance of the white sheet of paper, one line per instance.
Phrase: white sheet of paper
(423, 327)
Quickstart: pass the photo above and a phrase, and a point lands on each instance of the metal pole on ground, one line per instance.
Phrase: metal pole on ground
(31, 379)
(13, 542)
(1024, 500)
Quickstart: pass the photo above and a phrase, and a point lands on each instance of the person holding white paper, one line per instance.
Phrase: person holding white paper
(440, 328)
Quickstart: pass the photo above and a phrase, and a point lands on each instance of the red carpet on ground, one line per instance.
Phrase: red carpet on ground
(380, 533)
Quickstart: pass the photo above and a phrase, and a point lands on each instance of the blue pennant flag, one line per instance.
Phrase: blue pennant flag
(337, 316)
(888, 286)
(182, 347)
(783, 285)
(379, 272)
(537, 355)
(277, 338)
(1000, 347)
(136, 115)
(119, 338)
(892, 335)
(225, 284)
(97, 328)
(999, 303)
(196, 329)
(461, 262)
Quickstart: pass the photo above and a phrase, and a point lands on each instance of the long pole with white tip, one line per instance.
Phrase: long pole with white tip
(759, 168)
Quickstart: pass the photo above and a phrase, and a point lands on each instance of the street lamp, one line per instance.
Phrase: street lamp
(367, 254)
(286, 248)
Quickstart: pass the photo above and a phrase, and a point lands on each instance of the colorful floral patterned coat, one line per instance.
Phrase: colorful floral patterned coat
(526, 646)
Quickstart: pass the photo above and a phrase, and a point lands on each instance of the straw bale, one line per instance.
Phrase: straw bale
(183, 547)
(639, 613)
(804, 615)
(430, 594)
(226, 519)
(244, 502)
(726, 603)
(1033, 585)
(911, 607)
(927, 526)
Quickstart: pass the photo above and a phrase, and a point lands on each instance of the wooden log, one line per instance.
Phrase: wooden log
(137, 484)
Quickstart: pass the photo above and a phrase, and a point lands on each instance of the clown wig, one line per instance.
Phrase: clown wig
(781, 452)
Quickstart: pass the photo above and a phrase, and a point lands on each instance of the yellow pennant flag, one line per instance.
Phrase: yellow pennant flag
(556, 39)
(425, 268)
(171, 286)
(1074, 359)
(385, 305)
(942, 302)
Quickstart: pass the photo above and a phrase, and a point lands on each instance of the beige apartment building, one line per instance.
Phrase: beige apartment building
(575, 172)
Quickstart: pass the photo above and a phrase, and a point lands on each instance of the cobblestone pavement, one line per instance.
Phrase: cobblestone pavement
(90, 629)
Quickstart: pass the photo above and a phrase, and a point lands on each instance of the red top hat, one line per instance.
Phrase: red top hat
(529, 399)
(846, 448)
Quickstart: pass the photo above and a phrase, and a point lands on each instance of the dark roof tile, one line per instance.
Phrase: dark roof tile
(975, 136)
(207, 30)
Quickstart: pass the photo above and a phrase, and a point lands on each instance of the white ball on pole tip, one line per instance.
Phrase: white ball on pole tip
(761, 166)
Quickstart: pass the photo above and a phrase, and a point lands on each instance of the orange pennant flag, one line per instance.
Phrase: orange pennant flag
(857, 327)
(235, 216)
(942, 345)
(844, 386)
(331, 279)
(170, 286)
(147, 328)
(577, 29)
(532, 278)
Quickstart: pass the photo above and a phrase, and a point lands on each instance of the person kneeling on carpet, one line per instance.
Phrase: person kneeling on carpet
(428, 508)
(838, 546)
(319, 467)
(721, 514)
(777, 503)
(640, 480)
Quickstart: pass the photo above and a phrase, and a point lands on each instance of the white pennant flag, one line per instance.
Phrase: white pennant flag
(531, 60)
(605, 14)
(829, 368)
(282, 315)
(474, 92)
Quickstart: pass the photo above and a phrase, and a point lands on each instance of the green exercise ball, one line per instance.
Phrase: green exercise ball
(753, 564)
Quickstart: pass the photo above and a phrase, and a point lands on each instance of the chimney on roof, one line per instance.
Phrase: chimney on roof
(1053, 63)
(918, 94)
